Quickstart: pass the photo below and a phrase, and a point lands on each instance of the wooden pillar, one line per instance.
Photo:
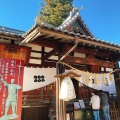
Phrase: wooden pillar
(42, 93)
(42, 55)
(61, 104)
(117, 84)
(57, 98)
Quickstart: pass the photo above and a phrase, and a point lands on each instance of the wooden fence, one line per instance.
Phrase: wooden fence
(35, 100)
(114, 114)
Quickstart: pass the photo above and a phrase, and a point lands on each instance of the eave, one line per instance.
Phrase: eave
(65, 36)
(10, 34)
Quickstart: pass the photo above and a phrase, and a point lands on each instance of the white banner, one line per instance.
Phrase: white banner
(108, 86)
(37, 77)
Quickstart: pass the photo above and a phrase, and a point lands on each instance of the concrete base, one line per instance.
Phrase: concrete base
(9, 117)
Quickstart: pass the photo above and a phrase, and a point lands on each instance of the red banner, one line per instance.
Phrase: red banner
(11, 92)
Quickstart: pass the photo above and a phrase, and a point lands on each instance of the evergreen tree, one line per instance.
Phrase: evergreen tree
(54, 12)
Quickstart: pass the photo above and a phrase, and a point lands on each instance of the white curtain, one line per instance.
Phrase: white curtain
(30, 75)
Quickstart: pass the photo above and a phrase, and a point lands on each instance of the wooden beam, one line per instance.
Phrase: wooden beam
(31, 36)
(52, 52)
(37, 58)
(35, 51)
(46, 64)
(45, 43)
(10, 37)
(71, 37)
(88, 61)
(56, 33)
(117, 79)
(87, 51)
(71, 74)
(51, 60)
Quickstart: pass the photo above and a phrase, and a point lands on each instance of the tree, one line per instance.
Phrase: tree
(54, 12)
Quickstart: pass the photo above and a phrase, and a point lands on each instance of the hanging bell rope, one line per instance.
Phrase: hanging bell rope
(88, 74)
(81, 71)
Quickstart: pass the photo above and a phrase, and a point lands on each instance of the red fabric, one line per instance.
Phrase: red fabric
(9, 69)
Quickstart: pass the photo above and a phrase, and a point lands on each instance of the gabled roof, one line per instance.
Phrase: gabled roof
(74, 23)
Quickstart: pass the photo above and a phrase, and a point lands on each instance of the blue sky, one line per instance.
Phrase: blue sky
(101, 16)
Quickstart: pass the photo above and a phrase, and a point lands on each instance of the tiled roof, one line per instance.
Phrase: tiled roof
(71, 33)
(10, 31)
(13, 32)
(74, 15)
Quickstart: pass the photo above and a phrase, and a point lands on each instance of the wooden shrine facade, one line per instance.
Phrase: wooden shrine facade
(44, 46)
(47, 45)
